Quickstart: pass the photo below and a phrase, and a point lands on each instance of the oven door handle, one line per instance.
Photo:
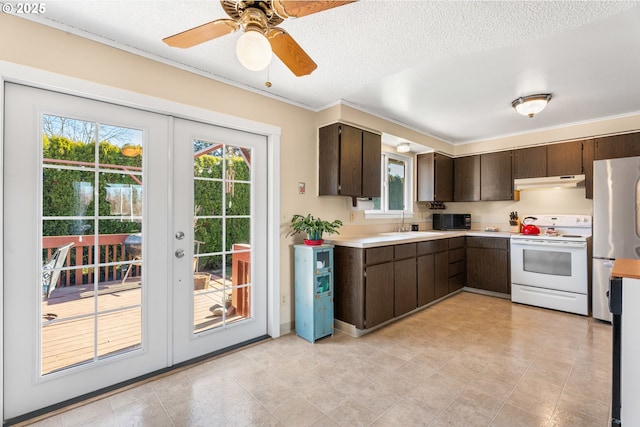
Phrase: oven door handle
(559, 245)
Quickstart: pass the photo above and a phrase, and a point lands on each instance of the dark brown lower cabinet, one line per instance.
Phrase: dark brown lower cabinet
(405, 291)
(456, 258)
(364, 285)
(348, 287)
(441, 261)
(375, 285)
(433, 270)
(426, 279)
(379, 293)
(488, 264)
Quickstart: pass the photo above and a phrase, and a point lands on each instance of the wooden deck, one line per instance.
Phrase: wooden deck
(69, 325)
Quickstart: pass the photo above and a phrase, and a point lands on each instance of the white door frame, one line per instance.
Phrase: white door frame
(15, 73)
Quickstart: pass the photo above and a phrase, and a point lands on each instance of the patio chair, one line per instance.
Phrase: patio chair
(51, 270)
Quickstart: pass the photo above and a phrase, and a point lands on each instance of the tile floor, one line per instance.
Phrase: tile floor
(471, 360)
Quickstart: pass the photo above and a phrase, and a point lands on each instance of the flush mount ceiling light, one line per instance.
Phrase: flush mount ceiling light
(403, 147)
(532, 104)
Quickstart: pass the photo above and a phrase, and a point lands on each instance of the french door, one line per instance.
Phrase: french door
(131, 243)
(220, 287)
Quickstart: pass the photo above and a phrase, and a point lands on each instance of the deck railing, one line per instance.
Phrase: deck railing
(78, 267)
(82, 256)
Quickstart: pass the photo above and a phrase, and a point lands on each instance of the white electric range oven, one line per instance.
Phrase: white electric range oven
(551, 269)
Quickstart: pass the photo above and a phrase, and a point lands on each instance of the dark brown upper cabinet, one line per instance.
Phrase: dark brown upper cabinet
(348, 161)
(435, 177)
(371, 168)
(496, 179)
(613, 147)
(564, 158)
(466, 179)
(530, 162)
(588, 148)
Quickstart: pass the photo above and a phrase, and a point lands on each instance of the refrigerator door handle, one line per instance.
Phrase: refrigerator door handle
(608, 264)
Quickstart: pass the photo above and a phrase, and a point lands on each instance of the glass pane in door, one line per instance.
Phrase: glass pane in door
(222, 235)
(92, 210)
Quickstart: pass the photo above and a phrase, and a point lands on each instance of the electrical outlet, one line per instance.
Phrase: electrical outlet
(352, 216)
(284, 300)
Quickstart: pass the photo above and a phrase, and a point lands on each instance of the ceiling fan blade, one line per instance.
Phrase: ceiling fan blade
(202, 33)
(290, 52)
(297, 9)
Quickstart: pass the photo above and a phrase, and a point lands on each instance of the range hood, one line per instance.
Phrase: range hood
(564, 181)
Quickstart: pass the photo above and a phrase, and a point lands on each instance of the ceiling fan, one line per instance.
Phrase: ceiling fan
(259, 20)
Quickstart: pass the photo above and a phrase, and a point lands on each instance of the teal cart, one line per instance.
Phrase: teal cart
(313, 291)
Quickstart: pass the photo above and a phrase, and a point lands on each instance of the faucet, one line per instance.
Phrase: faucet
(401, 228)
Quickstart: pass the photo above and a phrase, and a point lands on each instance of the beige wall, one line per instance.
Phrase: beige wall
(532, 202)
(31, 44)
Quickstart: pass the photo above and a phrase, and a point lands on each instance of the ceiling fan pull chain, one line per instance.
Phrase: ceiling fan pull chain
(268, 82)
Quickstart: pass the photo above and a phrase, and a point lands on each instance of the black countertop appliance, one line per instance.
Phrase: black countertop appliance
(451, 221)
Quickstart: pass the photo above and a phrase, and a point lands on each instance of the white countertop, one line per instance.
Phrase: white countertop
(395, 238)
(502, 234)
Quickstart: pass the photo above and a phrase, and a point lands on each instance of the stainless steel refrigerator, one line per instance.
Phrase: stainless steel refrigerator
(616, 223)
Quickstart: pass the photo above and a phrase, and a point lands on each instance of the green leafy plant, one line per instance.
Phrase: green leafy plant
(313, 227)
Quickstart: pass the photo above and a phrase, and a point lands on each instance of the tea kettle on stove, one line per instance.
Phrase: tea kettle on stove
(530, 228)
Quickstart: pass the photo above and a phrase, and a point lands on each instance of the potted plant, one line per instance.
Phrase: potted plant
(313, 227)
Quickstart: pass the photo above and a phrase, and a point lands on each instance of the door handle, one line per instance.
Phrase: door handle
(179, 253)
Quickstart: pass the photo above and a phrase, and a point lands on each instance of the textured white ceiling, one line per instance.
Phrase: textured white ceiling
(449, 69)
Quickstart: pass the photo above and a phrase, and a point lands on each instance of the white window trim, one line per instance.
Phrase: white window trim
(407, 213)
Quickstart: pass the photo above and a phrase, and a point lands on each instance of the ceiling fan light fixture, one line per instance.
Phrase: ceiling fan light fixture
(532, 104)
(403, 147)
(254, 50)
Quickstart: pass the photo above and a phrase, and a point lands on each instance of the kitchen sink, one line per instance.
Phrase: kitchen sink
(412, 233)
